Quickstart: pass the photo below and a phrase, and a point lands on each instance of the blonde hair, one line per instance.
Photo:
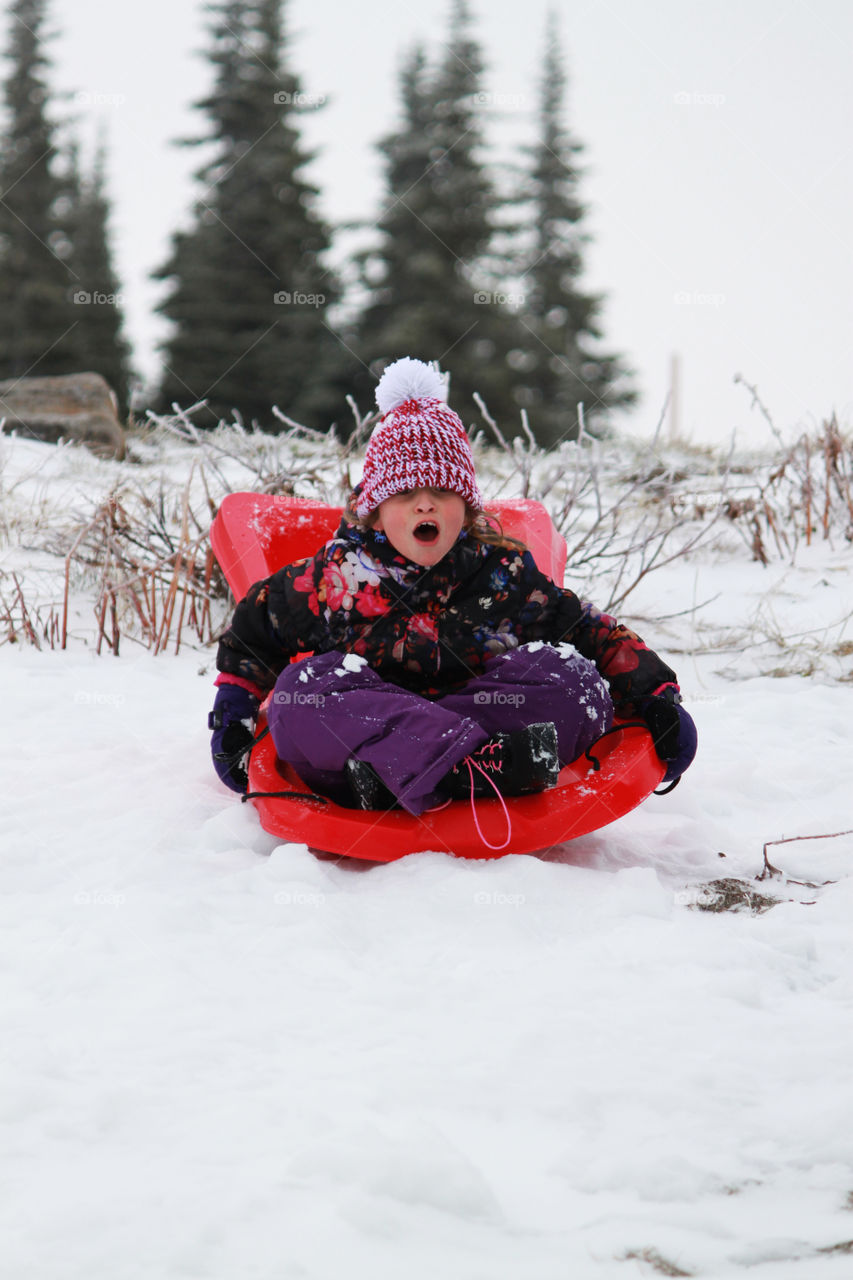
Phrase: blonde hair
(486, 527)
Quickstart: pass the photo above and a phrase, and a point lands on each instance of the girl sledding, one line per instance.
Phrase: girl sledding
(444, 665)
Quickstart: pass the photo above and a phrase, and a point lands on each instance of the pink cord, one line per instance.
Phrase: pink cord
(434, 808)
(472, 765)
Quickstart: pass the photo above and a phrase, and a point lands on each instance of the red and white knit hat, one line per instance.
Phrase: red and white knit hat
(419, 443)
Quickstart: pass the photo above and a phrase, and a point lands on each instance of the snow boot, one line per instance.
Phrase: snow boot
(367, 788)
(515, 764)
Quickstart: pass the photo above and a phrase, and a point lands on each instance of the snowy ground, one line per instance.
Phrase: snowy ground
(225, 1056)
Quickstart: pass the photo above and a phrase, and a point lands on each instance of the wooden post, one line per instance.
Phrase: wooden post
(675, 396)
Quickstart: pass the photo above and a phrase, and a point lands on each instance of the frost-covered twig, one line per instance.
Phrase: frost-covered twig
(757, 401)
(153, 574)
(627, 509)
(807, 489)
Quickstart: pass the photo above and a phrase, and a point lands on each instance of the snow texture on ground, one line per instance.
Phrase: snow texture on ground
(226, 1056)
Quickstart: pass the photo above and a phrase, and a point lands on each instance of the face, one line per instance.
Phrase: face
(422, 524)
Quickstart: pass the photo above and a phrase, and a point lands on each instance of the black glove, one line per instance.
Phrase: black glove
(232, 721)
(673, 732)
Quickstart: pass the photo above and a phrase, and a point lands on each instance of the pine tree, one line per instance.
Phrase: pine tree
(37, 315)
(560, 363)
(98, 339)
(431, 275)
(249, 292)
(401, 276)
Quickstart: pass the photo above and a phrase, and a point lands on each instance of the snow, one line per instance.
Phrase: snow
(353, 662)
(227, 1056)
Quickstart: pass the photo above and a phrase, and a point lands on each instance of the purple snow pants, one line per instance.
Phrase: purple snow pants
(329, 707)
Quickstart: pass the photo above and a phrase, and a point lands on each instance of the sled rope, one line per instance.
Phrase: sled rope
(472, 765)
(283, 795)
(617, 728)
(267, 795)
(278, 795)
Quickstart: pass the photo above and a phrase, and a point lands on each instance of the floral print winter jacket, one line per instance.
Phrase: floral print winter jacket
(426, 629)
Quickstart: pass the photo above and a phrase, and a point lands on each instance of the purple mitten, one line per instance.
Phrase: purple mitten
(233, 723)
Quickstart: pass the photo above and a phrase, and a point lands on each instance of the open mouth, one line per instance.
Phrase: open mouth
(426, 532)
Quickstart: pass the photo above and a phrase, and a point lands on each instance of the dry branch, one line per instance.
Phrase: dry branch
(769, 871)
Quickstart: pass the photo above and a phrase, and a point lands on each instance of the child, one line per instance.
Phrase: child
(444, 662)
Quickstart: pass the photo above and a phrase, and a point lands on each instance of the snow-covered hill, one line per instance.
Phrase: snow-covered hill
(226, 1056)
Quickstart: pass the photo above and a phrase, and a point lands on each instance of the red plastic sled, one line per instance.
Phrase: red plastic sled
(255, 534)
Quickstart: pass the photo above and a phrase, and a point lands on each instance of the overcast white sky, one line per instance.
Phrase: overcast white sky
(718, 148)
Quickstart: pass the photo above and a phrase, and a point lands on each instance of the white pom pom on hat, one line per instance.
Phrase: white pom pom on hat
(419, 442)
(409, 379)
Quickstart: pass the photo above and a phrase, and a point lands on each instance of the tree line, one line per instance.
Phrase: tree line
(458, 269)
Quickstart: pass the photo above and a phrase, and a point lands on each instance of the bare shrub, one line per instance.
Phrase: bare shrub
(625, 511)
(804, 491)
(137, 541)
(152, 567)
(23, 622)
